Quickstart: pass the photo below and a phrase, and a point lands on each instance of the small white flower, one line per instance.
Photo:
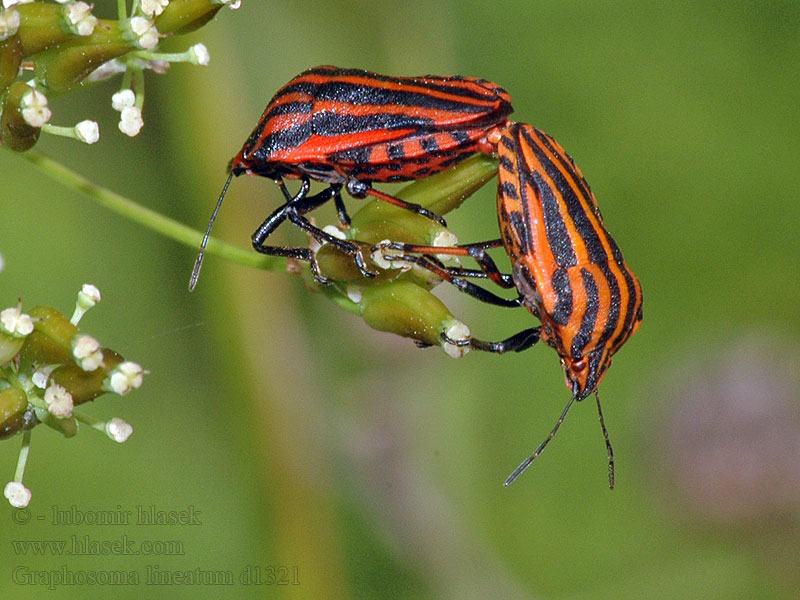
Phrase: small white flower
(88, 131)
(118, 430)
(232, 4)
(123, 378)
(15, 322)
(145, 32)
(87, 298)
(80, 17)
(17, 494)
(380, 253)
(41, 375)
(34, 109)
(199, 54)
(123, 99)
(153, 8)
(58, 400)
(334, 231)
(9, 23)
(458, 332)
(89, 295)
(131, 122)
(87, 352)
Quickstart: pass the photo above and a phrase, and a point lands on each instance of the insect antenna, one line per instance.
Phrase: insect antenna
(527, 462)
(609, 449)
(198, 263)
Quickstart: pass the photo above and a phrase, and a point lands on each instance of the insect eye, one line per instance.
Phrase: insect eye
(579, 365)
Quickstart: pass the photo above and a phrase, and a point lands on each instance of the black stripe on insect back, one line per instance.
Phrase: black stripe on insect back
(589, 319)
(507, 166)
(569, 165)
(283, 139)
(460, 137)
(395, 151)
(509, 189)
(289, 108)
(429, 144)
(555, 229)
(633, 298)
(458, 87)
(332, 124)
(614, 304)
(517, 222)
(583, 225)
(564, 305)
(350, 93)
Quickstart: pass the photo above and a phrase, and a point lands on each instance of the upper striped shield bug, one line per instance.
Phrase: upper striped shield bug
(350, 128)
(568, 270)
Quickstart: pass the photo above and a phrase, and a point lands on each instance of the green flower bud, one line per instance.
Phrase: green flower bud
(440, 193)
(409, 310)
(86, 385)
(64, 66)
(51, 338)
(15, 132)
(183, 16)
(10, 60)
(13, 404)
(42, 26)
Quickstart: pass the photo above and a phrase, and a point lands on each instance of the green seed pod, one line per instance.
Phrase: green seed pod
(49, 343)
(85, 385)
(10, 60)
(13, 404)
(64, 66)
(15, 133)
(9, 347)
(409, 310)
(183, 16)
(42, 26)
(441, 193)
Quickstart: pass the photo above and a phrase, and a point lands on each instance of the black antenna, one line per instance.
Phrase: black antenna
(527, 462)
(198, 263)
(609, 449)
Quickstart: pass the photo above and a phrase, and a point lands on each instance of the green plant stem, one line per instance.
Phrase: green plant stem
(22, 460)
(150, 218)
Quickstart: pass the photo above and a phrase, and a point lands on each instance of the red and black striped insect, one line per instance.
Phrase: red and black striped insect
(568, 270)
(349, 128)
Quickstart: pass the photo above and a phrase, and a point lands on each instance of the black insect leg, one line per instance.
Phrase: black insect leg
(415, 208)
(516, 343)
(477, 251)
(294, 209)
(453, 276)
(341, 211)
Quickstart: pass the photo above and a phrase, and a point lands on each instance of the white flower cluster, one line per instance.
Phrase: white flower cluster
(49, 400)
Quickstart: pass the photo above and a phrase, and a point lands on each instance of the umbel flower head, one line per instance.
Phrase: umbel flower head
(49, 47)
(48, 367)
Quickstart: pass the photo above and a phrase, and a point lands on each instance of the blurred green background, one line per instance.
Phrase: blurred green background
(370, 468)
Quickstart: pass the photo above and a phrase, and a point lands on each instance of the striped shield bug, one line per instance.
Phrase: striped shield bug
(350, 128)
(566, 267)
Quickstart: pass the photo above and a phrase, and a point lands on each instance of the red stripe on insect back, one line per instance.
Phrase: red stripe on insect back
(565, 264)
